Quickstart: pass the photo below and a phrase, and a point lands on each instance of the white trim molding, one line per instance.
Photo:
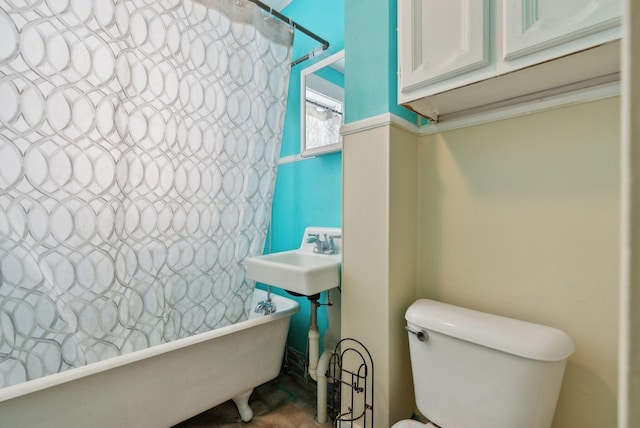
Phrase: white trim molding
(384, 119)
(293, 158)
(532, 105)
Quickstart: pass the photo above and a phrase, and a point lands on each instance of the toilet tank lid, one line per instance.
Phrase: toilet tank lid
(521, 338)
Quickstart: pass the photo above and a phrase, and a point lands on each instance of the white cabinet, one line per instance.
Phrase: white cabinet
(433, 58)
(536, 26)
(456, 57)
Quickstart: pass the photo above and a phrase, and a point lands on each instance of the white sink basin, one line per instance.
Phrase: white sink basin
(299, 271)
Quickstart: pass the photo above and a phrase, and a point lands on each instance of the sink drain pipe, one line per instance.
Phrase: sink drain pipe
(318, 366)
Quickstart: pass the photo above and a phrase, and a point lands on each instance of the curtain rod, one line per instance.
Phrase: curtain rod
(296, 26)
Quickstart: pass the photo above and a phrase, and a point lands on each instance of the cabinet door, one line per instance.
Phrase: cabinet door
(533, 26)
(441, 39)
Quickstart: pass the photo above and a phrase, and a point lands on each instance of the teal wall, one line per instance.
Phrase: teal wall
(371, 85)
(308, 192)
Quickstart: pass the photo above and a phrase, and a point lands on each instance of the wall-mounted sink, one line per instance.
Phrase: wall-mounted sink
(308, 270)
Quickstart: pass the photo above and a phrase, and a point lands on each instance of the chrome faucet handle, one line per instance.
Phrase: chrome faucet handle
(313, 237)
(332, 244)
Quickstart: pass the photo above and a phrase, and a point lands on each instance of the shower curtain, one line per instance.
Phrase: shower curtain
(138, 149)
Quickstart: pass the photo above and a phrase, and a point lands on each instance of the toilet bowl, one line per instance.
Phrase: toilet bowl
(474, 370)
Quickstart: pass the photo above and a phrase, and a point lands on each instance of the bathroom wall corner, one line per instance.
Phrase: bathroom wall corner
(403, 246)
(379, 258)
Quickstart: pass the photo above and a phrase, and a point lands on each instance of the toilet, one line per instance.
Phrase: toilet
(477, 370)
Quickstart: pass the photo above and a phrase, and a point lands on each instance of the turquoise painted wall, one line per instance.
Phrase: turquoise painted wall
(308, 192)
(371, 84)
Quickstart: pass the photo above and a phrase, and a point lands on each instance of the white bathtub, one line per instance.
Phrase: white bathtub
(158, 386)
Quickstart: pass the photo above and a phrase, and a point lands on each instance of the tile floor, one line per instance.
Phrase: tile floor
(285, 402)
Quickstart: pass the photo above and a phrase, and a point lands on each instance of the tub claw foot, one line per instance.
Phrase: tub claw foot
(242, 403)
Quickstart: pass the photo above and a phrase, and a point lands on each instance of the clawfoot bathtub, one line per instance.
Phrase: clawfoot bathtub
(159, 386)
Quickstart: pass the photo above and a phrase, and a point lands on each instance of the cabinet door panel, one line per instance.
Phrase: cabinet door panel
(441, 39)
(531, 26)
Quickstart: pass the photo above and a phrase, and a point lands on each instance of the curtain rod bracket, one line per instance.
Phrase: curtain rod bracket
(324, 44)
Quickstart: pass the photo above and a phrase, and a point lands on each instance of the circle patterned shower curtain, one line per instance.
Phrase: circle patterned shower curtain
(138, 150)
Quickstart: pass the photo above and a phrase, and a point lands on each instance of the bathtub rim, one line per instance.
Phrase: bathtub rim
(285, 306)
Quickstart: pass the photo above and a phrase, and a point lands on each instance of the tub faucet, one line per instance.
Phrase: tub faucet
(266, 307)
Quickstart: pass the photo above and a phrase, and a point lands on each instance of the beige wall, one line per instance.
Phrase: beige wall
(520, 217)
(379, 258)
(403, 247)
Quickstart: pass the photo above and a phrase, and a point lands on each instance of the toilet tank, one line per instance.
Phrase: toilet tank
(477, 370)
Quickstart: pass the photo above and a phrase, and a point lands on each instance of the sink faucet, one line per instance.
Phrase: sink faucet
(323, 246)
(319, 244)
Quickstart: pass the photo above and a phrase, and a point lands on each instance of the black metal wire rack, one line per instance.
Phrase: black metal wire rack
(351, 376)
